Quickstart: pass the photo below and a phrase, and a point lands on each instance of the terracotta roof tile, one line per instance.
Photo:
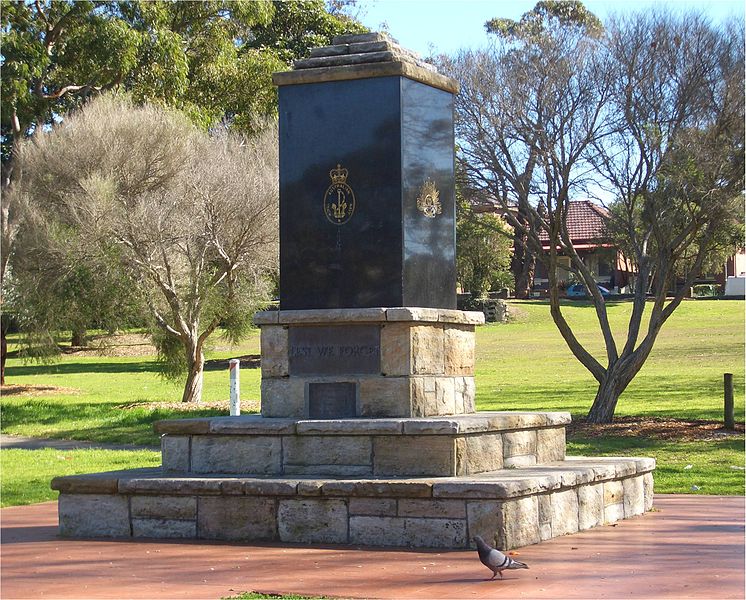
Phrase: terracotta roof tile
(585, 221)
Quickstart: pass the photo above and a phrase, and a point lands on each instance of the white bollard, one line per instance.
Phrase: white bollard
(235, 402)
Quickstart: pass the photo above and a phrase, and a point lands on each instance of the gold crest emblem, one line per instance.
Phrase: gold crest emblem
(428, 202)
(339, 200)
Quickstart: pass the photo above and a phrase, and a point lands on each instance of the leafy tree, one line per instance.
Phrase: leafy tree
(651, 108)
(192, 217)
(211, 59)
(483, 250)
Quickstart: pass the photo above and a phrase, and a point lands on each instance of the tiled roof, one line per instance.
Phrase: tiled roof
(585, 221)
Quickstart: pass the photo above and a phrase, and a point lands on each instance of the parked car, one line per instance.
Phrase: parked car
(577, 290)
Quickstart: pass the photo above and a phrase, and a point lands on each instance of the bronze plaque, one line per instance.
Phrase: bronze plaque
(334, 350)
(331, 400)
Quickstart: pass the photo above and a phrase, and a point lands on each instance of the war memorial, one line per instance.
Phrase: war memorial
(368, 433)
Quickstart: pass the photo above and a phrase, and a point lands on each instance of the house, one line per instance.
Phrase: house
(585, 224)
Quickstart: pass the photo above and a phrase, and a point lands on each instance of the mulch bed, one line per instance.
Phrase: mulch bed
(653, 427)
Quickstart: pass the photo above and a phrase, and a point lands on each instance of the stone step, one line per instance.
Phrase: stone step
(510, 507)
(425, 446)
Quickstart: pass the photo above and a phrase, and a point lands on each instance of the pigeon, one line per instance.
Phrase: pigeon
(495, 560)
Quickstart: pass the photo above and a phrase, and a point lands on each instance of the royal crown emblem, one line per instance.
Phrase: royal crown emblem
(339, 199)
(428, 202)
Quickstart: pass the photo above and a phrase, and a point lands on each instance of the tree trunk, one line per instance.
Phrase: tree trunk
(193, 386)
(523, 263)
(3, 355)
(604, 404)
(79, 338)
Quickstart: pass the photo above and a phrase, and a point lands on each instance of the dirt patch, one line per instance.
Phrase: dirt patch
(654, 427)
(247, 406)
(35, 390)
(126, 344)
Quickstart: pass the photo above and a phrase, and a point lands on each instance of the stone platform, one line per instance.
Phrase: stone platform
(417, 482)
(510, 507)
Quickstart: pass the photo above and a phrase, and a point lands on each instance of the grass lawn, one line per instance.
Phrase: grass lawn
(523, 365)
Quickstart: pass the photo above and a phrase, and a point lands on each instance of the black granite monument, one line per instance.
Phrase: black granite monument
(367, 215)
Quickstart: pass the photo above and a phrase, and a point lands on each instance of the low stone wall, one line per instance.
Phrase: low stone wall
(457, 446)
(510, 509)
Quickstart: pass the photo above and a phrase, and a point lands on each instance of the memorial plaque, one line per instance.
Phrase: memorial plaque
(334, 350)
(331, 400)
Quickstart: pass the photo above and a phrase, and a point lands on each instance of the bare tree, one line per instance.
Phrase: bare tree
(194, 217)
(652, 108)
(675, 164)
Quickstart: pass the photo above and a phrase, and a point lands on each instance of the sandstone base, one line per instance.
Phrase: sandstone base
(508, 507)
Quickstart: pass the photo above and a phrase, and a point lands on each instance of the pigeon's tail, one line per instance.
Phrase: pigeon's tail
(517, 564)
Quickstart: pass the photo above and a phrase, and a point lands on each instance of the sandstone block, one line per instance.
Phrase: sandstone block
(613, 513)
(433, 396)
(377, 531)
(283, 397)
(404, 313)
(309, 487)
(519, 443)
(484, 452)
(163, 528)
(327, 450)
(485, 518)
(464, 393)
(237, 518)
(372, 507)
(93, 515)
(395, 349)
(274, 349)
(613, 492)
(252, 425)
(266, 317)
(175, 453)
(647, 485)
(445, 509)
(268, 487)
(519, 525)
(94, 483)
(427, 349)
(590, 506)
(550, 445)
(634, 496)
(350, 427)
(236, 454)
(177, 486)
(163, 507)
(332, 315)
(312, 521)
(393, 488)
(564, 512)
(545, 517)
(385, 397)
(459, 349)
(414, 456)
(196, 426)
(515, 462)
(435, 533)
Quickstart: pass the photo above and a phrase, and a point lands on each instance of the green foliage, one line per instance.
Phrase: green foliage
(483, 251)
(545, 17)
(212, 59)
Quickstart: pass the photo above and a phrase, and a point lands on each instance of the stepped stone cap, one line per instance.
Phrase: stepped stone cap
(360, 56)
(368, 315)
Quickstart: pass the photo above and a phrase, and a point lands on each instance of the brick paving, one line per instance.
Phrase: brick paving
(690, 547)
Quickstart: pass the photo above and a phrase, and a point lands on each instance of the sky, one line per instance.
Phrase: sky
(445, 26)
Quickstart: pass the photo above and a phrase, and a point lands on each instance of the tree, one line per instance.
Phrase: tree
(483, 250)
(648, 108)
(192, 217)
(675, 162)
(211, 59)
